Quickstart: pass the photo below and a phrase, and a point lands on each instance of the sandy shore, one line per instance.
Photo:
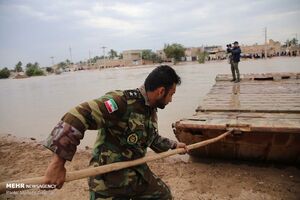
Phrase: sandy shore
(188, 179)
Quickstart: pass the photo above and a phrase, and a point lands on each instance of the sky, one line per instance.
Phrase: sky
(36, 30)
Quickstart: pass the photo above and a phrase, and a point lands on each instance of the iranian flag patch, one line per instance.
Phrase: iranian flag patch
(111, 105)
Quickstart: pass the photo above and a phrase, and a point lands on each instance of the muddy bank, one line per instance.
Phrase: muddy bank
(187, 178)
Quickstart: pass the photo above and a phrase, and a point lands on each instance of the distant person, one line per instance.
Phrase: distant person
(234, 61)
(127, 124)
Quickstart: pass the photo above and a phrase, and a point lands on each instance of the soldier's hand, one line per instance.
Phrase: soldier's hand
(56, 172)
(182, 145)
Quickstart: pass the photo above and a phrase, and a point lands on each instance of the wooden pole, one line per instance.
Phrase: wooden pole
(93, 171)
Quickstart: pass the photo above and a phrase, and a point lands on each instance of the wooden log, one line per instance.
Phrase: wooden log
(93, 171)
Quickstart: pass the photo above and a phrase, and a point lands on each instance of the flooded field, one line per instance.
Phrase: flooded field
(32, 107)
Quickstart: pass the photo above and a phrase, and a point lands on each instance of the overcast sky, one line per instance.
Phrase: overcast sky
(33, 31)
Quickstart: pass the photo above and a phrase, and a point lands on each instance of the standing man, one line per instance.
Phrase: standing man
(235, 59)
(127, 124)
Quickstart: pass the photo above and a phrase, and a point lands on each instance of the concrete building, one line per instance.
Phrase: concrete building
(163, 56)
(215, 52)
(108, 63)
(130, 58)
(133, 57)
(273, 48)
(191, 53)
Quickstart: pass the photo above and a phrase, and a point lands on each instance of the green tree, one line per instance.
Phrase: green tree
(112, 54)
(147, 54)
(18, 67)
(62, 65)
(49, 69)
(4, 73)
(150, 55)
(68, 62)
(33, 69)
(202, 57)
(288, 43)
(174, 51)
(294, 42)
(94, 60)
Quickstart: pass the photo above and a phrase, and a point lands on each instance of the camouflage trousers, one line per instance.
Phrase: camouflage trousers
(111, 186)
(235, 70)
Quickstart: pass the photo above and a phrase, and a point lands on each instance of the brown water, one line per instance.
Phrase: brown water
(32, 107)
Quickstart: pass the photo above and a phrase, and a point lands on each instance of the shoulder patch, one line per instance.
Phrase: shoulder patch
(111, 105)
(132, 94)
(132, 139)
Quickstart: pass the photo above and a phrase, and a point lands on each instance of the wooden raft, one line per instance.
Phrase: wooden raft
(263, 110)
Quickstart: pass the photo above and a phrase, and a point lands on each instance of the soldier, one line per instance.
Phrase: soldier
(127, 124)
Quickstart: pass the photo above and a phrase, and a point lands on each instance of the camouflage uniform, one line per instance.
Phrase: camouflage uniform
(125, 131)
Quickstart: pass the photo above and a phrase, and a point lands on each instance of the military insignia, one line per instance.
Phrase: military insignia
(132, 94)
(132, 138)
(111, 105)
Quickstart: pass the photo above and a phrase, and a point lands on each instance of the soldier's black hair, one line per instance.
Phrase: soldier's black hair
(162, 76)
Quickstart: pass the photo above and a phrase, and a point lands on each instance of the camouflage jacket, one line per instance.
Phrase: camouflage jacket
(126, 124)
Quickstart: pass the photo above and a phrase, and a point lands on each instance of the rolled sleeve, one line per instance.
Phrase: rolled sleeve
(63, 140)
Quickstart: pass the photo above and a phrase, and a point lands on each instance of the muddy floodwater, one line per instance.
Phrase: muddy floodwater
(31, 107)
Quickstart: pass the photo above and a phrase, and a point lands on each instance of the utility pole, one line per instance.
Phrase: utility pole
(89, 58)
(71, 59)
(266, 53)
(104, 61)
(52, 58)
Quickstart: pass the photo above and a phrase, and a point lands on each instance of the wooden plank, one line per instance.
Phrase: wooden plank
(251, 95)
(273, 122)
(263, 76)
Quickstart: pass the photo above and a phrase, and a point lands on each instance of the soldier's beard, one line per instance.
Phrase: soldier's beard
(160, 103)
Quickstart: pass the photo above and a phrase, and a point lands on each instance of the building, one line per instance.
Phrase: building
(108, 63)
(133, 57)
(162, 55)
(273, 48)
(215, 52)
(293, 50)
(191, 53)
(130, 58)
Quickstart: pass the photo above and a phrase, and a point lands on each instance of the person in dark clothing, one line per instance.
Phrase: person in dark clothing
(234, 61)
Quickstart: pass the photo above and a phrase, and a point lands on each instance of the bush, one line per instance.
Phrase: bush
(4, 73)
(202, 57)
(49, 70)
(33, 70)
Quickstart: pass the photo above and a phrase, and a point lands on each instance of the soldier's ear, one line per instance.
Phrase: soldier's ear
(161, 92)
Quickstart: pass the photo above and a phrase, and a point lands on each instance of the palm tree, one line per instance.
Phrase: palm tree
(18, 67)
(112, 54)
(294, 42)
